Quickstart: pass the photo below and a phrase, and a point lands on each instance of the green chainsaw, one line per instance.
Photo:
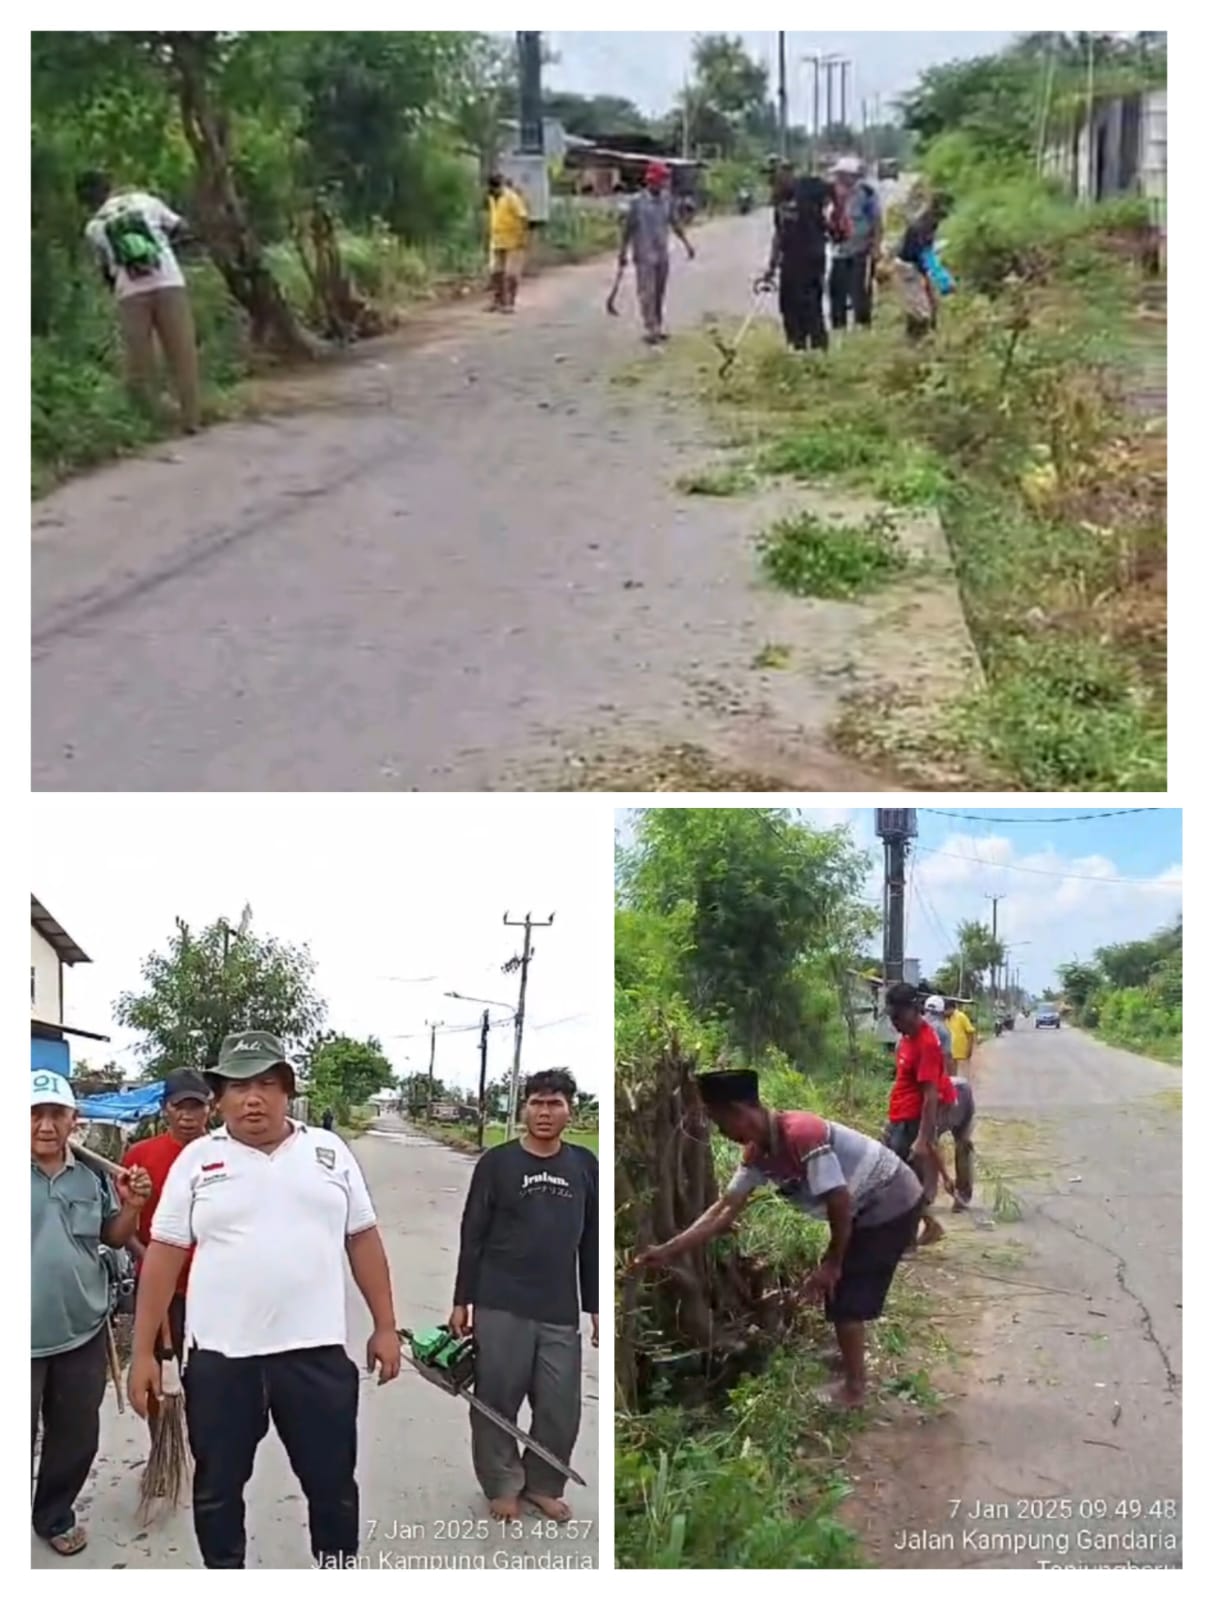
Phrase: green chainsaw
(449, 1362)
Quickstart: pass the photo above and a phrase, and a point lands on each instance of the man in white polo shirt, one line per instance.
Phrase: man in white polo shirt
(273, 1209)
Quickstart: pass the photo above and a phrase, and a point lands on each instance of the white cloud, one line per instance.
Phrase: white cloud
(381, 887)
(1047, 918)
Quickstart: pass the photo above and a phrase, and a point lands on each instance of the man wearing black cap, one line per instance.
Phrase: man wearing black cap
(869, 1196)
(187, 1101)
(272, 1210)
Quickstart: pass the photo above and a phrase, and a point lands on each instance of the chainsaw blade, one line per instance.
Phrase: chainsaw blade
(485, 1409)
(523, 1438)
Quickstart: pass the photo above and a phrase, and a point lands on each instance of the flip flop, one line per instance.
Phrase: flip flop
(70, 1543)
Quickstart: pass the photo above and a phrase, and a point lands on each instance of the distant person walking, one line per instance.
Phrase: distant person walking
(647, 225)
(132, 235)
(857, 228)
(508, 227)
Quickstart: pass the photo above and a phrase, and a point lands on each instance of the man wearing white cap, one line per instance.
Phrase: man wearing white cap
(73, 1212)
(857, 236)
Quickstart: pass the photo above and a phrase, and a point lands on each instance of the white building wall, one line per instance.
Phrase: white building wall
(46, 1004)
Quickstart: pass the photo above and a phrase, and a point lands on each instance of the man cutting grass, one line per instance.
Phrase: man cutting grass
(868, 1195)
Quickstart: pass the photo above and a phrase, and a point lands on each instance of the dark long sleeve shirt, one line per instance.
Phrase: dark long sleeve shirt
(529, 1238)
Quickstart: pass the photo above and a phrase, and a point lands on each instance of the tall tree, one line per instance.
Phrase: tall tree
(206, 984)
(342, 1072)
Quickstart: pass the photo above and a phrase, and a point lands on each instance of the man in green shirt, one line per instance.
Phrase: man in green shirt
(73, 1212)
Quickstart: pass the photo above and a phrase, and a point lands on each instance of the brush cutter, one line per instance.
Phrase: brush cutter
(449, 1362)
(728, 352)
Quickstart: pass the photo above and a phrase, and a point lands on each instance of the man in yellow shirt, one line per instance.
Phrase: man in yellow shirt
(964, 1034)
(507, 242)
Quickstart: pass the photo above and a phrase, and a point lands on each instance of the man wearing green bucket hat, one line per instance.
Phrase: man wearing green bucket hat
(273, 1209)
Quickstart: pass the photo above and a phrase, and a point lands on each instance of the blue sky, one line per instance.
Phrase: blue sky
(1067, 885)
(649, 68)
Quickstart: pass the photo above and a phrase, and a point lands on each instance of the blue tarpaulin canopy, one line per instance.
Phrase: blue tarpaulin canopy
(129, 1105)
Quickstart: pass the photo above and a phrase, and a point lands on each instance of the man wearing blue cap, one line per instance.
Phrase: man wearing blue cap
(73, 1212)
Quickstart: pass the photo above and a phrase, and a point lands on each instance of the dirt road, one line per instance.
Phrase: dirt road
(1059, 1444)
(421, 1505)
(459, 562)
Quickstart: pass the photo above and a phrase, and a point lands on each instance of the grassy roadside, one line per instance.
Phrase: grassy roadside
(81, 414)
(463, 1137)
(1165, 1049)
(1019, 424)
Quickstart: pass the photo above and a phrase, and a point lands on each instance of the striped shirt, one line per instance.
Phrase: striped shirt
(809, 1158)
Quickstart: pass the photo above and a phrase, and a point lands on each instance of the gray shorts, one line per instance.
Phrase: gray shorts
(958, 1119)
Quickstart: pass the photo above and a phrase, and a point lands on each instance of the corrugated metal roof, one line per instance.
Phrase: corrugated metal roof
(55, 934)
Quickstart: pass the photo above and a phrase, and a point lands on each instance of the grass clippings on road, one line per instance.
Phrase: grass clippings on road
(1019, 424)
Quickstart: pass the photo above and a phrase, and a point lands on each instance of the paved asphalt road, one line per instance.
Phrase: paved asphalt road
(420, 1501)
(458, 562)
(1068, 1425)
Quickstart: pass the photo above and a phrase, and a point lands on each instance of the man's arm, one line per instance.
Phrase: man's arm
(119, 1220)
(776, 252)
(474, 1231)
(677, 228)
(369, 1266)
(157, 1283)
(627, 229)
(927, 1123)
(717, 1219)
(587, 1250)
(841, 1218)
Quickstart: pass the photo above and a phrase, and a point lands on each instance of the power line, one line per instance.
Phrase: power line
(1086, 816)
(1044, 872)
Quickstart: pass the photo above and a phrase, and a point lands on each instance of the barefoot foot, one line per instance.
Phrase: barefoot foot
(556, 1509)
(505, 1507)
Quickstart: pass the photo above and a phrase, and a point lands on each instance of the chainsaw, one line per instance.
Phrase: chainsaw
(449, 1362)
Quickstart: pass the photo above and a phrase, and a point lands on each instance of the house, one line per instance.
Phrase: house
(52, 949)
(1117, 146)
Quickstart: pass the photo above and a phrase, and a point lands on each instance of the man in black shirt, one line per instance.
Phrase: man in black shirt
(798, 254)
(529, 1241)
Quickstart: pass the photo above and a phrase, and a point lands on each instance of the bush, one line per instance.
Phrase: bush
(808, 556)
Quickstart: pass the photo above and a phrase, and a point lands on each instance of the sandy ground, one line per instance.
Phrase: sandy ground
(421, 1505)
(1059, 1440)
(458, 561)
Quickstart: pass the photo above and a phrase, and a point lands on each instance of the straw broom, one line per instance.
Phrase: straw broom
(167, 1468)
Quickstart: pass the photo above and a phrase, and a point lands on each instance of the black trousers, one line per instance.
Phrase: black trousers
(65, 1394)
(801, 305)
(851, 289)
(312, 1395)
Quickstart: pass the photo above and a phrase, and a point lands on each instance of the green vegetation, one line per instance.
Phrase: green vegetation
(736, 932)
(463, 1135)
(1019, 421)
(807, 555)
(1132, 994)
(331, 180)
(716, 482)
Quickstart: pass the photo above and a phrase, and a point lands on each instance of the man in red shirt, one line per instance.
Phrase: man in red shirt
(921, 1089)
(186, 1106)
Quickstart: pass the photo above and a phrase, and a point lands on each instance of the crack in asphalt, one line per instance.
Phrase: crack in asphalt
(1122, 1268)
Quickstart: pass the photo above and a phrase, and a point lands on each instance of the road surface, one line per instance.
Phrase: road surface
(459, 561)
(421, 1504)
(1066, 1428)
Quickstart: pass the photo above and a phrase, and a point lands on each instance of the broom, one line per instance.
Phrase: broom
(168, 1460)
(167, 1467)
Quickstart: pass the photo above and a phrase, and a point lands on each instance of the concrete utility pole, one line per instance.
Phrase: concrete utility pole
(896, 828)
(523, 962)
(842, 83)
(484, 1064)
(530, 94)
(783, 94)
(995, 898)
(246, 917)
(429, 1103)
(829, 64)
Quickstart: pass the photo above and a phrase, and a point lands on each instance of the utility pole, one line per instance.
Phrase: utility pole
(783, 94)
(842, 84)
(995, 898)
(523, 963)
(429, 1102)
(896, 828)
(816, 108)
(530, 94)
(484, 1063)
(246, 917)
(686, 117)
(829, 65)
